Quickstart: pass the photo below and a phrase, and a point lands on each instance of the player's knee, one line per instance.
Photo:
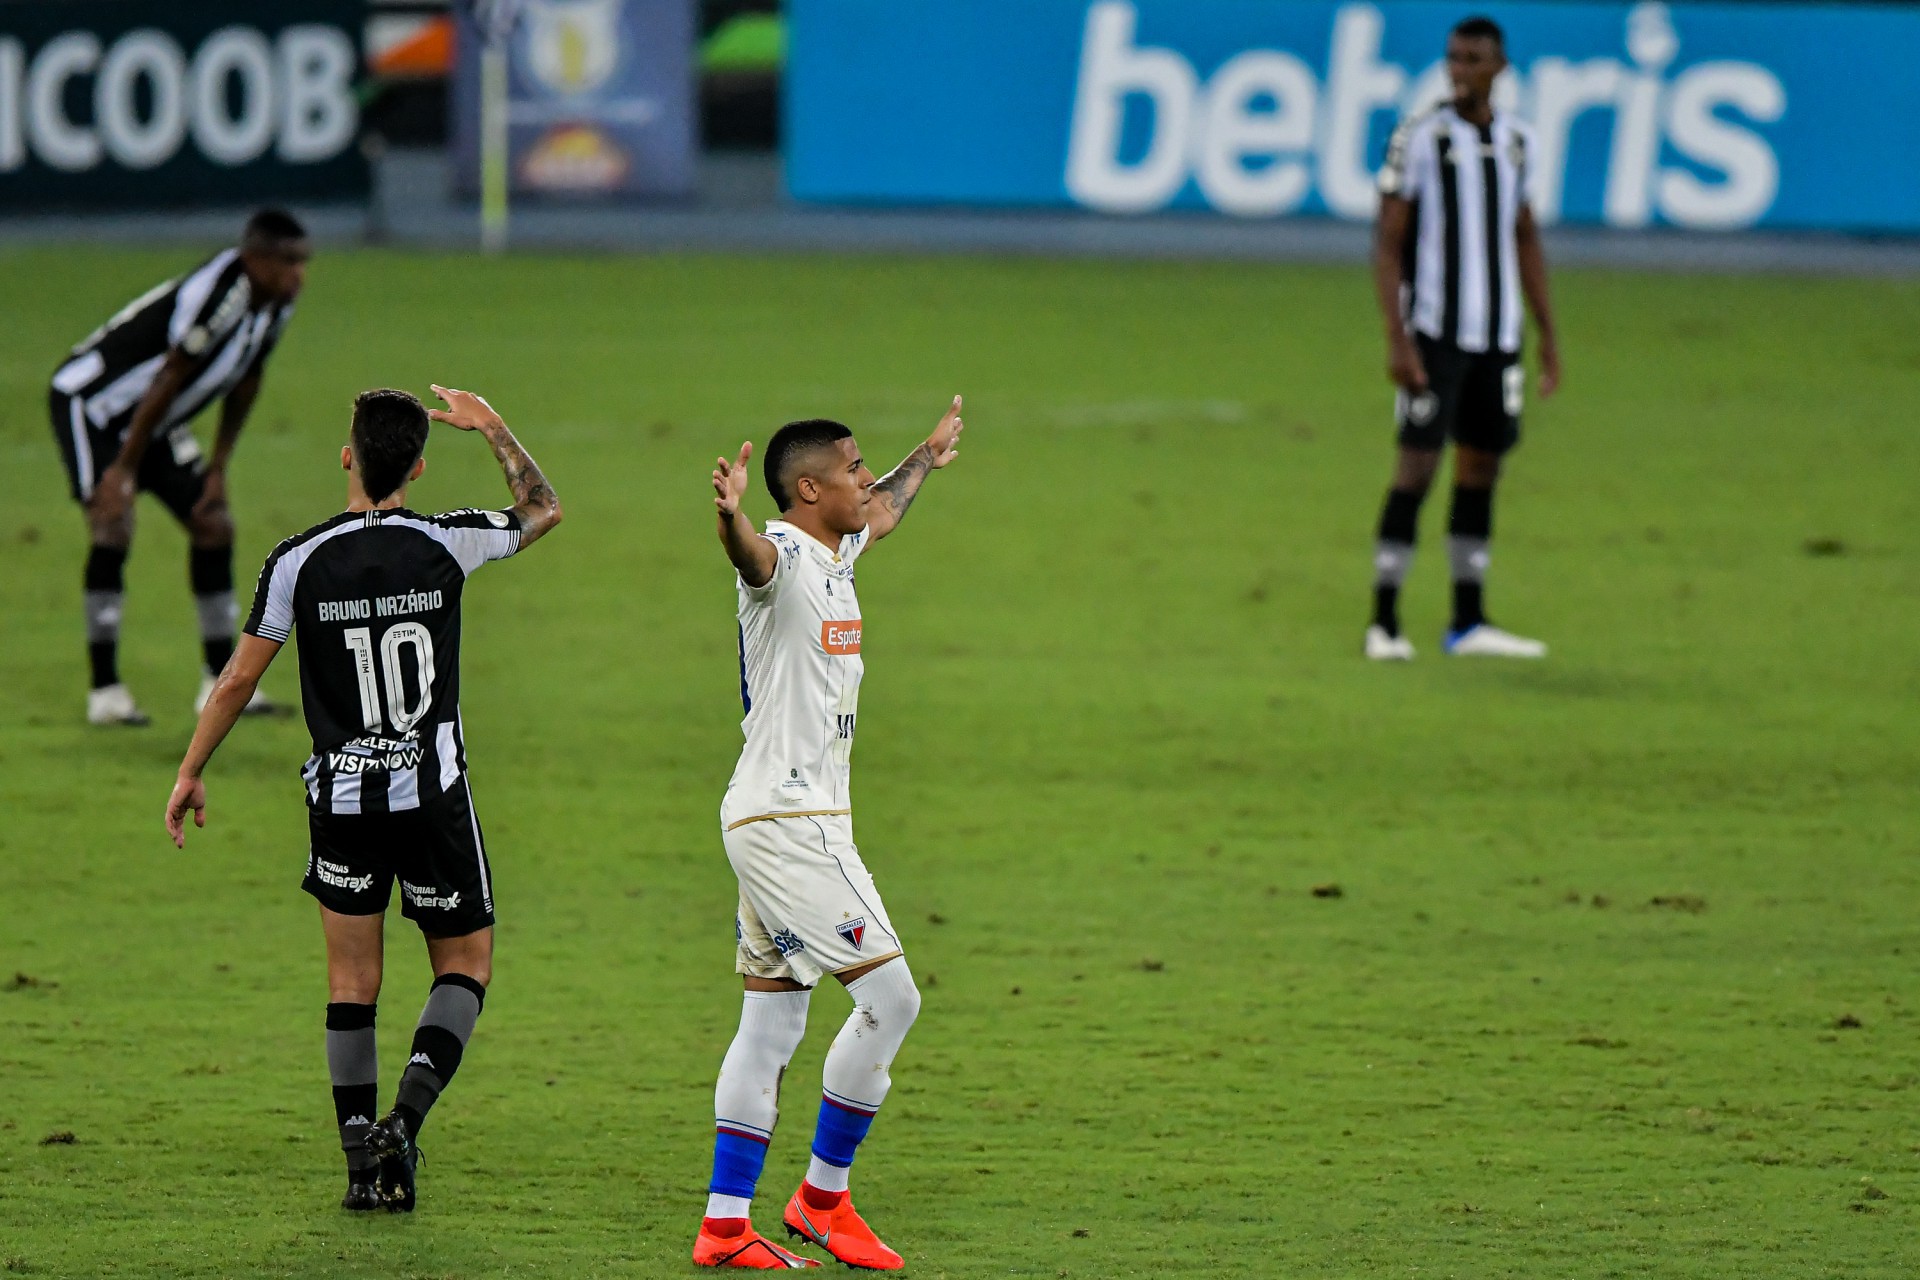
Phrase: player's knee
(210, 530)
(353, 984)
(115, 534)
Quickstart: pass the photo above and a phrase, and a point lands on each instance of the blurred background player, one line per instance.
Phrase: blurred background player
(375, 594)
(122, 407)
(807, 906)
(1455, 248)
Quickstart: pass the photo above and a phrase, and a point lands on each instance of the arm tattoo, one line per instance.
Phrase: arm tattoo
(524, 479)
(900, 485)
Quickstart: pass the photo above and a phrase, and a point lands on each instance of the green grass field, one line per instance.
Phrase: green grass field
(1620, 982)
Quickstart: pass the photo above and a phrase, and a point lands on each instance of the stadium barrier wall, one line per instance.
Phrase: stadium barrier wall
(1699, 116)
(142, 103)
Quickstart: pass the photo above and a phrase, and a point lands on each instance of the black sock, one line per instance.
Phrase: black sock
(439, 1042)
(104, 586)
(1399, 526)
(354, 1066)
(210, 570)
(1469, 530)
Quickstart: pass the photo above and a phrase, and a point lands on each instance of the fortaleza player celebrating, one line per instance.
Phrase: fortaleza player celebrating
(807, 904)
(375, 594)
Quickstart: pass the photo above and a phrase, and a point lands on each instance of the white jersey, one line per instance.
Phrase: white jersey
(800, 671)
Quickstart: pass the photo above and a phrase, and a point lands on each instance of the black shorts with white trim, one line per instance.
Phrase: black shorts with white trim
(173, 470)
(1472, 398)
(436, 852)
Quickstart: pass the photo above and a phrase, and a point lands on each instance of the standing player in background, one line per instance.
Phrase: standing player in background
(1455, 247)
(122, 407)
(807, 905)
(375, 595)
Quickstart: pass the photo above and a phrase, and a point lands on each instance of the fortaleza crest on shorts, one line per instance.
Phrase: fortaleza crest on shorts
(853, 931)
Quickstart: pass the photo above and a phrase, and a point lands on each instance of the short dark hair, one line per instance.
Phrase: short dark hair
(270, 230)
(389, 435)
(1480, 27)
(789, 446)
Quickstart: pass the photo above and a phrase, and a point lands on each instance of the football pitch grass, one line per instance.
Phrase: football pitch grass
(1617, 980)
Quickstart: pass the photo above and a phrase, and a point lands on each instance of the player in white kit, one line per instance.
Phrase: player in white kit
(807, 906)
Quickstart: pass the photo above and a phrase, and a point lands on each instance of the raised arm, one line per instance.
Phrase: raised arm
(1533, 282)
(753, 555)
(534, 500)
(229, 697)
(1404, 367)
(894, 492)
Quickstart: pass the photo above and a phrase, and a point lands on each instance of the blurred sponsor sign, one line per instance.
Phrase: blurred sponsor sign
(154, 102)
(601, 98)
(1697, 115)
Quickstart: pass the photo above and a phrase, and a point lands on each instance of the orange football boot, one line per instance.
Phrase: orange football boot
(748, 1249)
(841, 1232)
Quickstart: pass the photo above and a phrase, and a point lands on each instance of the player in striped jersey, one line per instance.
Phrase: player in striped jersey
(375, 593)
(1456, 248)
(807, 905)
(122, 406)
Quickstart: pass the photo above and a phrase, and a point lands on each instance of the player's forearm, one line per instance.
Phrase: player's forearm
(234, 412)
(534, 500)
(1386, 288)
(896, 490)
(752, 555)
(231, 693)
(1533, 278)
(147, 414)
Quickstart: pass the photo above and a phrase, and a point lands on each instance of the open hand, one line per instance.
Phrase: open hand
(1549, 368)
(944, 443)
(465, 410)
(112, 497)
(730, 481)
(1405, 368)
(188, 793)
(213, 496)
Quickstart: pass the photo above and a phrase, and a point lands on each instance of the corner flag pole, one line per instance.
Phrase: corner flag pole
(495, 20)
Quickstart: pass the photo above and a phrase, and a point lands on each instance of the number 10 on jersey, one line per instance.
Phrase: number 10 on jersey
(397, 637)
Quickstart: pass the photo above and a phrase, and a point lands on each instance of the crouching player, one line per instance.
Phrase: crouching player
(807, 905)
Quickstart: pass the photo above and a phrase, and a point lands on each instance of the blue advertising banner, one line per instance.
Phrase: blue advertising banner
(1710, 116)
(600, 97)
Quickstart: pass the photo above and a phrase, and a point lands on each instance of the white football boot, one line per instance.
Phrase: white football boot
(1382, 647)
(114, 705)
(1489, 641)
(257, 705)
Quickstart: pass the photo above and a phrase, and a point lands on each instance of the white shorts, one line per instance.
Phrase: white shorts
(807, 905)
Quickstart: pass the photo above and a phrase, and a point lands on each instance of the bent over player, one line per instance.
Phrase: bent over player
(123, 405)
(1455, 249)
(807, 906)
(375, 595)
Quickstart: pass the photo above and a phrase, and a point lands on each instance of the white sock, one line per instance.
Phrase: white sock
(747, 1096)
(827, 1177)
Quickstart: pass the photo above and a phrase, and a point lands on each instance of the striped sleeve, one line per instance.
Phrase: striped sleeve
(1401, 176)
(475, 536)
(272, 615)
(210, 305)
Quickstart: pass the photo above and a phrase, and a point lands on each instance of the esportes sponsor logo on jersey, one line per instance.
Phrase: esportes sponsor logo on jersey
(840, 637)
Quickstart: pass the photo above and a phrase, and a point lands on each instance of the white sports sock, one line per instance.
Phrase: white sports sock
(747, 1095)
(885, 1003)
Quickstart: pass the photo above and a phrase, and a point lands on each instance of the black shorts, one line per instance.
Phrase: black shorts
(435, 851)
(173, 469)
(1472, 398)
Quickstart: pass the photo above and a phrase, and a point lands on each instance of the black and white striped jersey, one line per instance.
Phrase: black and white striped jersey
(1467, 185)
(209, 315)
(375, 598)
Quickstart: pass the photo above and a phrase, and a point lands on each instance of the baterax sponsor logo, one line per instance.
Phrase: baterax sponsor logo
(1263, 130)
(332, 873)
(840, 637)
(150, 96)
(429, 896)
